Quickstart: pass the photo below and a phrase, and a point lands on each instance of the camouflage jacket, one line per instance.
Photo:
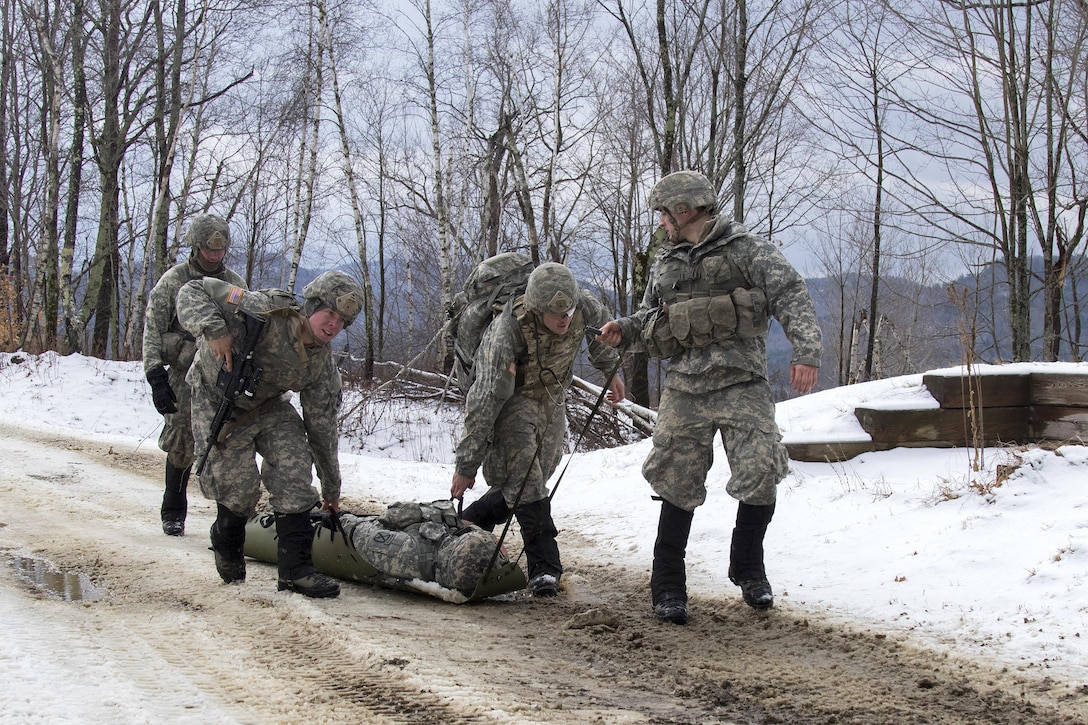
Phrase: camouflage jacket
(209, 308)
(504, 343)
(165, 342)
(727, 253)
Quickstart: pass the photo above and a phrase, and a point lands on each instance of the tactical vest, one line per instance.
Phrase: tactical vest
(707, 298)
(704, 271)
(547, 365)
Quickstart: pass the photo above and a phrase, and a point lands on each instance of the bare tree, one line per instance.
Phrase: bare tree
(312, 89)
(428, 65)
(862, 56)
(18, 131)
(1060, 224)
(991, 115)
(73, 325)
(7, 70)
(326, 37)
(123, 96)
(50, 24)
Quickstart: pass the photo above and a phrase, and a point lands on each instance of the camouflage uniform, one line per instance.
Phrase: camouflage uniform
(706, 308)
(266, 423)
(515, 422)
(722, 385)
(167, 345)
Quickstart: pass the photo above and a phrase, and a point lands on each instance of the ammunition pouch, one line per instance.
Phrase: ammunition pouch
(751, 309)
(658, 337)
(178, 349)
(702, 321)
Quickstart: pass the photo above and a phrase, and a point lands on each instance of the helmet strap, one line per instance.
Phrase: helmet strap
(697, 218)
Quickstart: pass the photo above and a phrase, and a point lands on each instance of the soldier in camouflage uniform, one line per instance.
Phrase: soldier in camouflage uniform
(168, 352)
(712, 289)
(294, 355)
(515, 416)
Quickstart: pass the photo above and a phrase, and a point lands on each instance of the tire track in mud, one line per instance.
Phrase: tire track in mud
(232, 641)
(382, 656)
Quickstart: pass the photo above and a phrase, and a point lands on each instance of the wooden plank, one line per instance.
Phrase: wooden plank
(831, 451)
(1060, 423)
(944, 425)
(1001, 390)
(1058, 389)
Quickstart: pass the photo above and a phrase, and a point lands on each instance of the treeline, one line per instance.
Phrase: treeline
(404, 142)
(928, 325)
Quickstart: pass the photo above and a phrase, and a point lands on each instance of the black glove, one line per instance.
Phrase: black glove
(161, 392)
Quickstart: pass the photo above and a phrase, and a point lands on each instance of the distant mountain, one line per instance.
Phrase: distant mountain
(926, 329)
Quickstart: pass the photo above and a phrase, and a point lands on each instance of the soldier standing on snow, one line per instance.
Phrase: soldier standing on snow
(712, 289)
(293, 353)
(515, 415)
(167, 345)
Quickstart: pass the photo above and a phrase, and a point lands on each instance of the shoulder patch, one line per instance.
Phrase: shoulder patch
(234, 297)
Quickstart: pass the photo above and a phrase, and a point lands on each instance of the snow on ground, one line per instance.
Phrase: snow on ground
(911, 540)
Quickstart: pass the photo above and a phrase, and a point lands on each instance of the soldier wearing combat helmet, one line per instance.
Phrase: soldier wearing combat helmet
(293, 354)
(515, 415)
(168, 351)
(336, 291)
(713, 288)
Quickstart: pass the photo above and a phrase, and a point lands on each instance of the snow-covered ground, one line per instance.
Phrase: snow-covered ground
(908, 540)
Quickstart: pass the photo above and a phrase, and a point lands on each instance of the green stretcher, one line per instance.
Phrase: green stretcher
(335, 556)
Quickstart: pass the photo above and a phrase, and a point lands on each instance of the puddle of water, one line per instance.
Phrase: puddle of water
(66, 585)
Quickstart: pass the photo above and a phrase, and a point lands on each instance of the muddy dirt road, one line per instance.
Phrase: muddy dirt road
(192, 649)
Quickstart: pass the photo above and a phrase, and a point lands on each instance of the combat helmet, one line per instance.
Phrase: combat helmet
(682, 191)
(208, 231)
(551, 288)
(336, 291)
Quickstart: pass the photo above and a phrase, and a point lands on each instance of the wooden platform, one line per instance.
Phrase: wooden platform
(1004, 409)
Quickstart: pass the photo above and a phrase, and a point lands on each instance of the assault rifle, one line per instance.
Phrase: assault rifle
(242, 380)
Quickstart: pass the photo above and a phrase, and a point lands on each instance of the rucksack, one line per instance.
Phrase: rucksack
(495, 281)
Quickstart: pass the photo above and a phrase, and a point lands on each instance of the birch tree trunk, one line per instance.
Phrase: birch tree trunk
(445, 249)
(73, 324)
(353, 193)
(307, 155)
(52, 86)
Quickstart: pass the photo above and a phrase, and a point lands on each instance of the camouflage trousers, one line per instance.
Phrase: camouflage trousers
(231, 476)
(526, 446)
(176, 438)
(683, 445)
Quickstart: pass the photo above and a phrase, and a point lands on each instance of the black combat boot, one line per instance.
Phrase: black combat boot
(668, 579)
(294, 558)
(175, 504)
(228, 544)
(746, 568)
(538, 532)
(488, 511)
